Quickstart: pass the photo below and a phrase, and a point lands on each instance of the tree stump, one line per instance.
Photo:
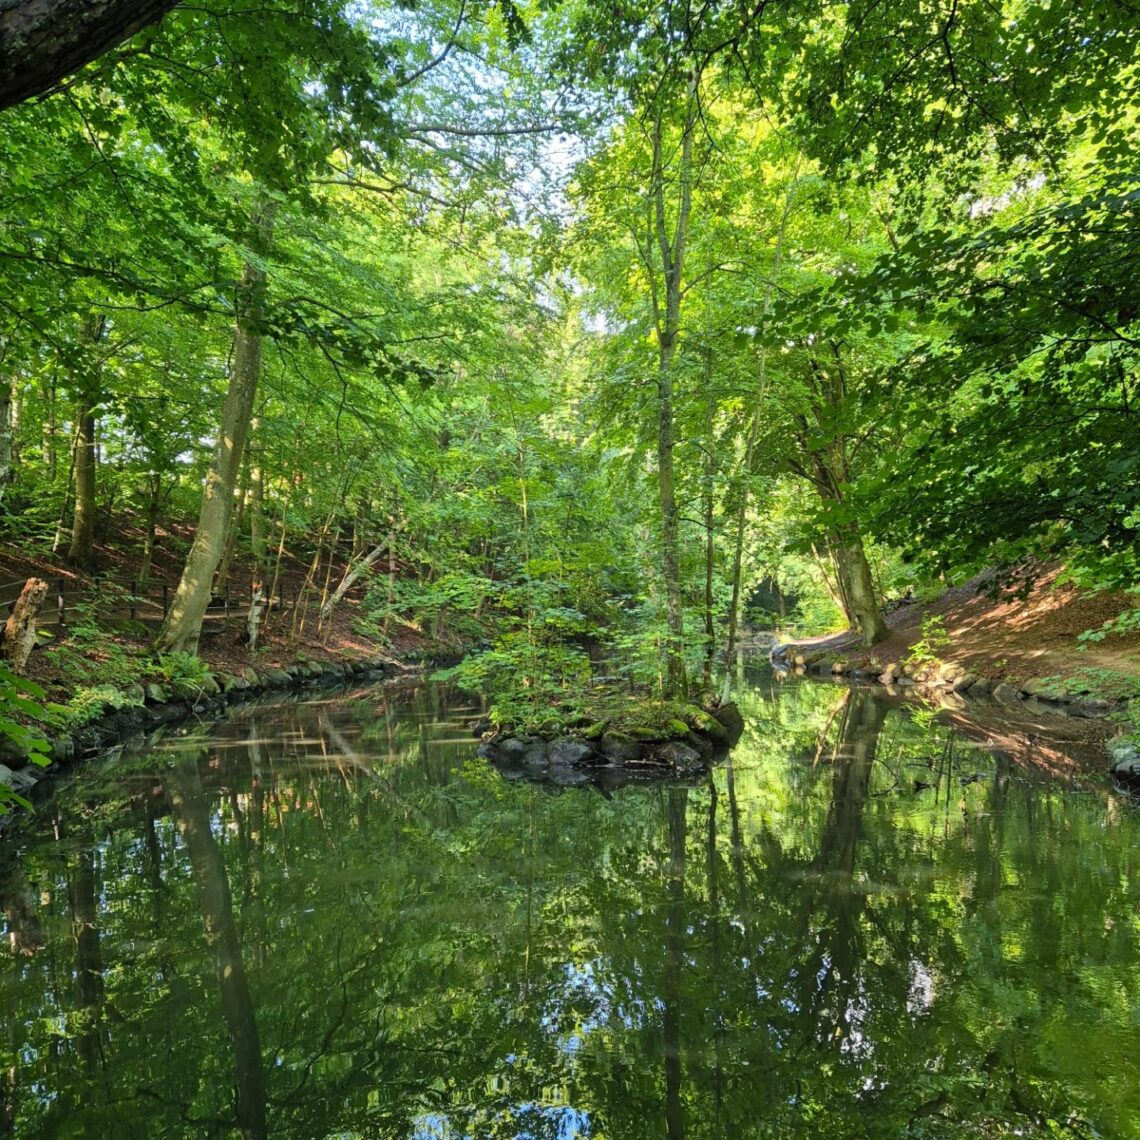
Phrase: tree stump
(19, 636)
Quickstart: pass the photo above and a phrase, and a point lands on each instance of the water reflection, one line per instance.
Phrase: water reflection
(329, 919)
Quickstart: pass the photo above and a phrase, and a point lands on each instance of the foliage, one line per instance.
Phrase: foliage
(22, 716)
(89, 704)
(185, 668)
(933, 640)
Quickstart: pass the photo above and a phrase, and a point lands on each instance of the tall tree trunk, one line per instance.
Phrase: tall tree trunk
(671, 249)
(237, 521)
(183, 625)
(858, 587)
(708, 508)
(192, 815)
(50, 428)
(753, 432)
(81, 552)
(257, 503)
(5, 437)
(153, 506)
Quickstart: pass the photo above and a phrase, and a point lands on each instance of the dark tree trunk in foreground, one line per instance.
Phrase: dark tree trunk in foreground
(43, 41)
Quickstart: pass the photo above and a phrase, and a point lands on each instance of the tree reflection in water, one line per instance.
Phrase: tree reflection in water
(329, 919)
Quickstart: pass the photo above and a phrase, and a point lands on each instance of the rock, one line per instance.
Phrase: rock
(983, 687)
(63, 749)
(155, 694)
(1004, 693)
(702, 745)
(210, 687)
(275, 678)
(481, 726)
(678, 756)
(620, 750)
(186, 691)
(706, 724)
(1090, 709)
(729, 716)
(1043, 688)
(1126, 765)
(840, 666)
(522, 752)
(594, 731)
(964, 682)
(566, 752)
(250, 675)
(20, 780)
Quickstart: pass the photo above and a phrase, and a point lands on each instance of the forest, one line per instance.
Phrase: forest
(527, 326)
(588, 549)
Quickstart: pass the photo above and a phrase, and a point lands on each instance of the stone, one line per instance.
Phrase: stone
(566, 752)
(706, 724)
(1090, 708)
(63, 749)
(523, 752)
(840, 666)
(1044, 689)
(210, 687)
(1126, 766)
(982, 687)
(679, 756)
(275, 678)
(155, 694)
(594, 731)
(964, 682)
(729, 716)
(1004, 693)
(185, 691)
(620, 750)
(250, 675)
(21, 779)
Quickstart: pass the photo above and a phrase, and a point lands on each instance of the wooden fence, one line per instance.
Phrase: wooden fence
(108, 598)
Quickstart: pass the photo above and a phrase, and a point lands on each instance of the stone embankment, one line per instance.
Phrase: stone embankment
(140, 708)
(952, 683)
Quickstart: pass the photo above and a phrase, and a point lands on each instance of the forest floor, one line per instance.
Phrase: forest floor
(1012, 637)
(284, 637)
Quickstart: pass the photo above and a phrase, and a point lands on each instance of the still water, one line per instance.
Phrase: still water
(327, 918)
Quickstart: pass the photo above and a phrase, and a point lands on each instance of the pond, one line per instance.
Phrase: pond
(326, 918)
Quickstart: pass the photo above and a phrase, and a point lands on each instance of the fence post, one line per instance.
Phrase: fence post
(60, 607)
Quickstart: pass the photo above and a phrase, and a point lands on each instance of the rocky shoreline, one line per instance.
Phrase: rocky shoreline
(953, 686)
(149, 706)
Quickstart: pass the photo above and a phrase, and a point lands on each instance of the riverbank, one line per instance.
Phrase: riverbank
(1022, 651)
